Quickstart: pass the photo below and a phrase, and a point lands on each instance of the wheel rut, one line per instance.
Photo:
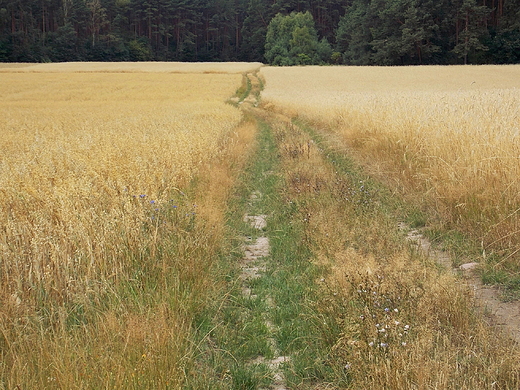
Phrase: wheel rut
(256, 252)
(500, 314)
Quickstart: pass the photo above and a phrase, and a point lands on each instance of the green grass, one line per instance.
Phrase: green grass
(245, 89)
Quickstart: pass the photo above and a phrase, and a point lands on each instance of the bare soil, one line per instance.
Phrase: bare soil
(252, 267)
(502, 315)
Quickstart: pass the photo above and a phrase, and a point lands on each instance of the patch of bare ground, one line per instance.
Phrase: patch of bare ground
(252, 267)
(502, 315)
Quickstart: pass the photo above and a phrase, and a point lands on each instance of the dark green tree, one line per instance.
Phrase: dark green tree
(354, 34)
(470, 29)
(378, 32)
(254, 30)
(504, 38)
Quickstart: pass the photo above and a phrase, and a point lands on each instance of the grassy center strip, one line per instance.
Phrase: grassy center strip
(248, 332)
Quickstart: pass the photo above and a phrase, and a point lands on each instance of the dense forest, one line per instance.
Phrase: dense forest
(374, 32)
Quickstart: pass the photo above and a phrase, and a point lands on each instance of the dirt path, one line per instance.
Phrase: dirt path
(503, 315)
(253, 266)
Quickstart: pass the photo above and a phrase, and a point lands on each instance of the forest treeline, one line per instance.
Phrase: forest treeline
(360, 32)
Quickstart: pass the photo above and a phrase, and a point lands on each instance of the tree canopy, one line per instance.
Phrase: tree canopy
(293, 40)
(376, 32)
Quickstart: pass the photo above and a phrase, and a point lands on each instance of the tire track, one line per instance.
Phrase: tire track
(253, 267)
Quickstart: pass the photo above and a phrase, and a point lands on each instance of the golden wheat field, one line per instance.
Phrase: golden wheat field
(133, 67)
(447, 136)
(77, 148)
(119, 185)
(106, 231)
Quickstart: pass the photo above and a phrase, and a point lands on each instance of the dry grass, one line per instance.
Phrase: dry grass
(108, 243)
(391, 319)
(446, 137)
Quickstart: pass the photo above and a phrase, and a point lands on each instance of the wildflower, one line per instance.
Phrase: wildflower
(347, 366)
(396, 322)
(371, 344)
(396, 310)
(406, 327)
(383, 345)
(152, 202)
(142, 196)
(403, 344)
(387, 310)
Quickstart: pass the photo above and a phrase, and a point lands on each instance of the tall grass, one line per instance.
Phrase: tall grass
(446, 137)
(108, 236)
(387, 318)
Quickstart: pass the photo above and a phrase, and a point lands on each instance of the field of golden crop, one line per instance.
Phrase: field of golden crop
(108, 227)
(446, 137)
(119, 185)
(133, 67)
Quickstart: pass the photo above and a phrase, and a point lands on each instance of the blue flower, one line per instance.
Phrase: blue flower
(142, 196)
